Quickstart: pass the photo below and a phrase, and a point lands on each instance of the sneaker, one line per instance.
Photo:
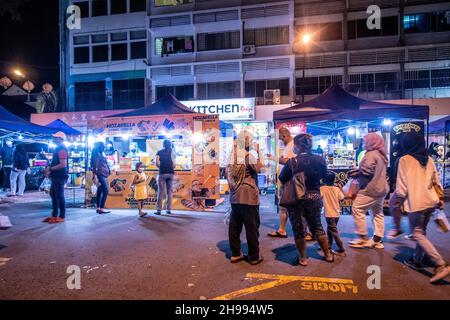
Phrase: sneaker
(376, 245)
(168, 212)
(393, 234)
(237, 259)
(440, 273)
(158, 213)
(142, 214)
(409, 237)
(360, 243)
(102, 211)
(413, 265)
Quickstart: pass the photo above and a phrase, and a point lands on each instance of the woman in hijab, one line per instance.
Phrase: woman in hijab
(373, 189)
(417, 181)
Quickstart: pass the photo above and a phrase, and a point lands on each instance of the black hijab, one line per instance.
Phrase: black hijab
(413, 143)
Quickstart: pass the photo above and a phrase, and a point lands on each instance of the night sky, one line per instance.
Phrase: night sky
(31, 43)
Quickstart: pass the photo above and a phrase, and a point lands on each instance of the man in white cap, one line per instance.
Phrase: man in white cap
(58, 173)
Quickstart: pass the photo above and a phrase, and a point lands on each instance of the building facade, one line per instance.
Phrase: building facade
(131, 52)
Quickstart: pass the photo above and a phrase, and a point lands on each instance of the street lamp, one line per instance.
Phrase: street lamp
(19, 73)
(306, 38)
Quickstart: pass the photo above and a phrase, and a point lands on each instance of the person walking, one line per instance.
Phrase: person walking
(332, 196)
(417, 180)
(242, 176)
(309, 208)
(101, 172)
(6, 154)
(165, 161)
(373, 189)
(58, 173)
(21, 162)
(140, 188)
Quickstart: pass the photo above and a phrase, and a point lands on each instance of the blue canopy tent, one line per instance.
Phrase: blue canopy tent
(11, 124)
(63, 127)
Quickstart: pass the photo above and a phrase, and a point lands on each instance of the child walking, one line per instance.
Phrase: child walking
(331, 196)
(140, 188)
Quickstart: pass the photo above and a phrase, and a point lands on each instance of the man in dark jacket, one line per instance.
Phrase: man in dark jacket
(6, 154)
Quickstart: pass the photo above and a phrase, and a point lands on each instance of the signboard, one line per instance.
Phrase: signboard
(227, 109)
(295, 127)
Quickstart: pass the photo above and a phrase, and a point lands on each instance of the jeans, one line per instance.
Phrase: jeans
(419, 222)
(13, 181)
(248, 216)
(58, 200)
(6, 171)
(361, 205)
(308, 210)
(333, 233)
(395, 208)
(165, 181)
(102, 191)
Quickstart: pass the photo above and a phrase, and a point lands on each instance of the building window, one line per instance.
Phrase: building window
(443, 21)
(218, 41)
(100, 53)
(417, 79)
(120, 36)
(185, 92)
(322, 31)
(173, 45)
(118, 6)
(99, 38)
(219, 90)
(99, 8)
(138, 5)
(84, 8)
(138, 50)
(373, 82)
(81, 55)
(426, 22)
(358, 28)
(128, 93)
(256, 88)
(315, 85)
(267, 36)
(119, 51)
(440, 78)
(165, 3)
(81, 40)
(138, 34)
(90, 96)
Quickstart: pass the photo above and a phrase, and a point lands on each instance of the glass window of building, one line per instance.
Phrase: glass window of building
(99, 8)
(165, 3)
(90, 96)
(218, 41)
(119, 51)
(84, 8)
(118, 6)
(129, 93)
(219, 90)
(138, 50)
(81, 55)
(100, 53)
(184, 92)
(440, 78)
(138, 5)
(256, 88)
(174, 45)
(417, 79)
(80, 40)
(267, 36)
(138, 34)
(99, 38)
(322, 31)
(443, 21)
(358, 28)
(119, 36)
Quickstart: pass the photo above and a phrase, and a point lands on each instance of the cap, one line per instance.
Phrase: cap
(60, 135)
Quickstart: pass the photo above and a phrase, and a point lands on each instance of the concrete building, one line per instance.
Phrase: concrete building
(131, 51)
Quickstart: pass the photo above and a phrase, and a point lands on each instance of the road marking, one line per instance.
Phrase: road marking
(3, 261)
(307, 283)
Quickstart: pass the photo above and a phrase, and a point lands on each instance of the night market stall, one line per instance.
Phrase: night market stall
(439, 147)
(137, 136)
(338, 121)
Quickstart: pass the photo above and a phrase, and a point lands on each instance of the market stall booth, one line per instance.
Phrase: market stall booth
(439, 147)
(338, 121)
(137, 136)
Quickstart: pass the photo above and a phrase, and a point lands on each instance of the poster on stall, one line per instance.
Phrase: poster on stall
(193, 185)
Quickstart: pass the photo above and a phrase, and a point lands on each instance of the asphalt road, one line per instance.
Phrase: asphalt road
(184, 256)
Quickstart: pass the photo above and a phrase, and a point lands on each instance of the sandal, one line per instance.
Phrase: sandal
(332, 257)
(276, 234)
(303, 262)
(237, 259)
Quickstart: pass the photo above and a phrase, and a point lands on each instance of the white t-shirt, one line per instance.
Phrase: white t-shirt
(331, 196)
(288, 152)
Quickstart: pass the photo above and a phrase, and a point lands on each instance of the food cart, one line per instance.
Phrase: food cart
(138, 135)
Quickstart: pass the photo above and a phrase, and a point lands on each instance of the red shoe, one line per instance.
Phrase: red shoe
(48, 219)
(56, 220)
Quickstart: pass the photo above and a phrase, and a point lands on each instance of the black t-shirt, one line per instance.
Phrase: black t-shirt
(165, 161)
(314, 168)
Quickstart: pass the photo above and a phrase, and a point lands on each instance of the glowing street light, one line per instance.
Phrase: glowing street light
(19, 73)
(306, 38)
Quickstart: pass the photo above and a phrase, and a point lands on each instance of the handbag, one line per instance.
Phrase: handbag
(294, 190)
(5, 223)
(351, 188)
(45, 185)
(94, 189)
(441, 220)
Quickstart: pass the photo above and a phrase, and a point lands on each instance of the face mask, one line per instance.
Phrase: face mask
(140, 169)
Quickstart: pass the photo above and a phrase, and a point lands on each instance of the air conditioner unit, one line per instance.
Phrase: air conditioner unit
(272, 96)
(249, 49)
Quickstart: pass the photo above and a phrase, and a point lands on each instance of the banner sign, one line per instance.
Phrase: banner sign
(227, 109)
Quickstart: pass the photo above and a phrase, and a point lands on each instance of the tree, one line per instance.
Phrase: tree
(11, 8)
